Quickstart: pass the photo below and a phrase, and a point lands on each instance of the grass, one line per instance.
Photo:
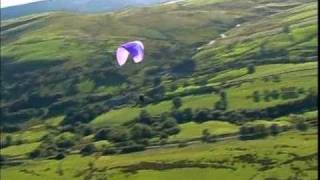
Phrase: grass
(117, 116)
(125, 114)
(269, 123)
(194, 130)
(26, 136)
(19, 150)
(261, 71)
(55, 121)
(189, 174)
(101, 144)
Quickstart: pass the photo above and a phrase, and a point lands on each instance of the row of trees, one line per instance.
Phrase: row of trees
(283, 93)
(219, 110)
(262, 131)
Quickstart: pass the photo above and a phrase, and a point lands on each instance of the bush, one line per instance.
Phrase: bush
(88, 149)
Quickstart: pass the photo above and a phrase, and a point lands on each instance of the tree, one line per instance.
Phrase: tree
(221, 105)
(88, 149)
(110, 150)
(145, 117)
(141, 98)
(169, 123)
(266, 94)
(87, 131)
(102, 134)
(8, 140)
(172, 131)
(223, 95)
(156, 81)
(274, 129)
(2, 158)
(133, 148)
(202, 115)
(274, 94)
(118, 135)
(187, 114)
(140, 131)
(163, 135)
(256, 96)
(64, 142)
(261, 131)
(251, 69)
(177, 103)
(206, 135)
(178, 115)
(173, 86)
(34, 154)
(302, 126)
(246, 130)
(59, 170)
(59, 156)
(286, 28)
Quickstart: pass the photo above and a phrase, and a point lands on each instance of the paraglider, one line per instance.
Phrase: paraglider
(134, 49)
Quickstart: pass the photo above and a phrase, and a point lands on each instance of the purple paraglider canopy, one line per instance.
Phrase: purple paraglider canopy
(135, 49)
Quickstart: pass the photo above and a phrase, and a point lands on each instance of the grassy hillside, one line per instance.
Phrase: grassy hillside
(76, 47)
(228, 89)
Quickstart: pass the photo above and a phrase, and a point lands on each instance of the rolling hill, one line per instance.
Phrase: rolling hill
(227, 89)
(88, 6)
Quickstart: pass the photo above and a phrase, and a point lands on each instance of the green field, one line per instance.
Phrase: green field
(194, 130)
(18, 150)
